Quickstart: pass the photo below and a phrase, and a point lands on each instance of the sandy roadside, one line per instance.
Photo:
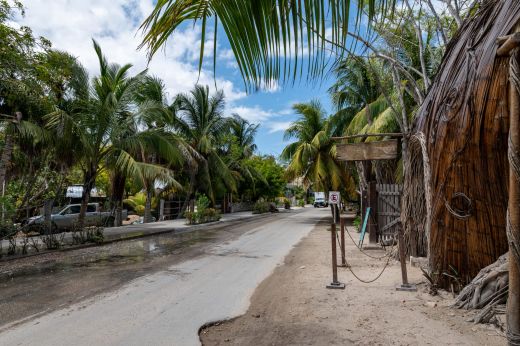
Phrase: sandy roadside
(292, 306)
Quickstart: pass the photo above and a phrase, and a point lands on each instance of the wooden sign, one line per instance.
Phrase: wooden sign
(383, 150)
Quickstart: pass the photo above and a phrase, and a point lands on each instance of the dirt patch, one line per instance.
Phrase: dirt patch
(293, 307)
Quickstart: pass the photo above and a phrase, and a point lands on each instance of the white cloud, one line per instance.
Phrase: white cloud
(70, 26)
(255, 115)
(277, 126)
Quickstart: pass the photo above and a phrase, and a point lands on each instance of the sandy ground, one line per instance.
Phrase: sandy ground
(293, 307)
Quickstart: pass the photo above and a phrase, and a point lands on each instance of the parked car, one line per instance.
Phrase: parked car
(319, 200)
(67, 218)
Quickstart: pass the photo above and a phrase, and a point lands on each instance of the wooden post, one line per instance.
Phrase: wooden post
(342, 230)
(335, 283)
(372, 203)
(405, 286)
(513, 224)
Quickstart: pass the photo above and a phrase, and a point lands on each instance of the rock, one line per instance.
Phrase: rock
(431, 304)
(302, 267)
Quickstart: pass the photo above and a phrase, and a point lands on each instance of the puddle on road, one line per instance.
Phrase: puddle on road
(124, 253)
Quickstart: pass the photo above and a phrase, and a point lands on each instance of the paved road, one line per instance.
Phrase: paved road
(168, 307)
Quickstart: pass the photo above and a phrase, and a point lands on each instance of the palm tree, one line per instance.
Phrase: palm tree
(269, 38)
(313, 155)
(202, 124)
(240, 147)
(156, 116)
(105, 128)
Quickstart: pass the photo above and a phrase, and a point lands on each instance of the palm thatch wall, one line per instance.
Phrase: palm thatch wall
(456, 191)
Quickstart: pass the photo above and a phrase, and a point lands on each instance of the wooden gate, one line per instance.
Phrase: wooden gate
(388, 211)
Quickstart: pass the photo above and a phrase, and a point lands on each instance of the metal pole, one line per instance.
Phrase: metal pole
(335, 283)
(342, 230)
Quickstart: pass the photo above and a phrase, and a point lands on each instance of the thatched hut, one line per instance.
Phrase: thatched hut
(458, 167)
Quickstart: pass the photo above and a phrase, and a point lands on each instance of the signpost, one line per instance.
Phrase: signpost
(334, 200)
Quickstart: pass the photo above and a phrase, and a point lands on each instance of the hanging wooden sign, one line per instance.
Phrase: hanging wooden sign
(383, 150)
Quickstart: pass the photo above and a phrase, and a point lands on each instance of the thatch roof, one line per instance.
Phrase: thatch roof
(463, 127)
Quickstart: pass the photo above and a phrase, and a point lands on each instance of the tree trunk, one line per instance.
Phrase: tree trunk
(5, 160)
(188, 195)
(88, 184)
(118, 191)
(148, 206)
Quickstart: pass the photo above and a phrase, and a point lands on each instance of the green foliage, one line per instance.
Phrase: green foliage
(301, 203)
(312, 156)
(273, 174)
(357, 223)
(260, 31)
(261, 207)
(203, 214)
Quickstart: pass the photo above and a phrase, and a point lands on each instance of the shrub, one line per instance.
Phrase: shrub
(203, 214)
(261, 207)
(286, 203)
(357, 223)
(301, 203)
(190, 217)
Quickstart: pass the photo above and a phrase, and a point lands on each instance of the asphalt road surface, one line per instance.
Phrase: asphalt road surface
(169, 306)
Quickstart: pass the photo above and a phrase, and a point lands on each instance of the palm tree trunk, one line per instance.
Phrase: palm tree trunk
(118, 190)
(188, 195)
(148, 206)
(88, 184)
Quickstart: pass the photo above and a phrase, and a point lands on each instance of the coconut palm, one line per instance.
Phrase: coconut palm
(104, 126)
(269, 38)
(313, 155)
(202, 124)
(157, 117)
(240, 147)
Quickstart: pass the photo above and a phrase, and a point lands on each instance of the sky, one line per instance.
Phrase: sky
(72, 24)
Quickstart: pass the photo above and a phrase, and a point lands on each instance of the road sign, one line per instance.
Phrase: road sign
(334, 197)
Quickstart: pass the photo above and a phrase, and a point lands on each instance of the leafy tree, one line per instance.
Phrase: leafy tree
(273, 183)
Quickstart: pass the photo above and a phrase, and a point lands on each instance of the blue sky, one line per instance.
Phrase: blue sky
(71, 24)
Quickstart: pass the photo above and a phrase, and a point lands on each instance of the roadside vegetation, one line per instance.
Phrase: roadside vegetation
(117, 132)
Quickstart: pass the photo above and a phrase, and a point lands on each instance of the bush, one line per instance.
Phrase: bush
(261, 207)
(203, 214)
(286, 203)
(301, 203)
(357, 223)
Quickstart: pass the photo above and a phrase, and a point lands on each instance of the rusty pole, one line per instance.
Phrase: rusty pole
(335, 283)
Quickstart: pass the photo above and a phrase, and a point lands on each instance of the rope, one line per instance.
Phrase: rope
(366, 254)
(378, 258)
(513, 242)
(513, 338)
(374, 279)
(459, 213)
